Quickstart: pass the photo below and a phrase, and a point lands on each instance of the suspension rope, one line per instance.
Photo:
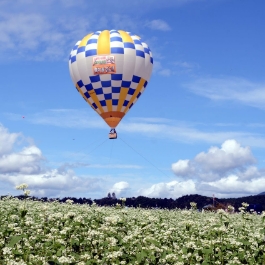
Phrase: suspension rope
(144, 157)
(111, 149)
(93, 149)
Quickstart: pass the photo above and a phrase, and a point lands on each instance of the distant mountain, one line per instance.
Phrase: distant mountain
(263, 193)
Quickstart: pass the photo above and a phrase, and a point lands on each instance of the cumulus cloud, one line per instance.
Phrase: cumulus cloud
(53, 182)
(233, 184)
(7, 140)
(227, 171)
(158, 24)
(26, 161)
(120, 188)
(217, 162)
(230, 156)
(173, 189)
(26, 166)
(183, 168)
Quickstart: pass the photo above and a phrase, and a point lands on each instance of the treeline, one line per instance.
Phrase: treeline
(145, 202)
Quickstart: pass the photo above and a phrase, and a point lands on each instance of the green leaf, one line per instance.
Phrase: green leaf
(59, 253)
(207, 251)
(14, 240)
(23, 213)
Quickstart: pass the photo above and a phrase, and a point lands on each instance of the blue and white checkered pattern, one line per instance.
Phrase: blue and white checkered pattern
(111, 92)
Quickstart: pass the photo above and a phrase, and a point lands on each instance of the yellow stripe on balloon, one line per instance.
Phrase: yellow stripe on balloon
(84, 97)
(125, 36)
(123, 94)
(109, 104)
(104, 43)
(93, 96)
(136, 92)
(84, 40)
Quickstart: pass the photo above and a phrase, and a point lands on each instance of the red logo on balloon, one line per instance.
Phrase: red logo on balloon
(104, 64)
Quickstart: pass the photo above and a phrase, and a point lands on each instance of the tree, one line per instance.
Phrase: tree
(113, 195)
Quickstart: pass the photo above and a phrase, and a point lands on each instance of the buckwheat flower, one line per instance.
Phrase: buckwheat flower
(22, 186)
(230, 208)
(221, 212)
(241, 209)
(26, 192)
(7, 251)
(244, 204)
(64, 260)
(11, 262)
(193, 204)
(69, 201)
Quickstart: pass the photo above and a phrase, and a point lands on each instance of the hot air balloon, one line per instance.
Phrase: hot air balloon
(111, 70)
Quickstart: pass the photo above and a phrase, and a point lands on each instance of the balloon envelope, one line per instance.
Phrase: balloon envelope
(111, 69)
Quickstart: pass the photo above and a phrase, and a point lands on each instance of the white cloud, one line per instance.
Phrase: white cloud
(120, 166)
(217, 162)
(184, 64)
(48, 30)
(150, 127)
(233, 184)
(230, 156)
(183, 67)
(36, 35)
(230, 89)
(68, 118)
(25, 166)
(250, 173)
(183, 168)
(165, 72)
(120, 188)
(25, 162)
(158, 24)
(7, 140)
(53, 182)
(227, 171)
(173, 189)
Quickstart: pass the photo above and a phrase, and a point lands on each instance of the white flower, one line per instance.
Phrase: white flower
(244, 204)
(26, 192)
(69, 201)
(22, 186)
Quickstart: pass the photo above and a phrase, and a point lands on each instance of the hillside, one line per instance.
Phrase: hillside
(181, 203)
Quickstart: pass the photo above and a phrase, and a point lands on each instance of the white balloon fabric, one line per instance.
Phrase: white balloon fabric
(111, 69)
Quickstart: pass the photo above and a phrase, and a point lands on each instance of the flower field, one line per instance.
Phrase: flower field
(33, 232)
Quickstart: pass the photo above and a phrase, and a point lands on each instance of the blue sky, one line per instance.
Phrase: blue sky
(198, 128)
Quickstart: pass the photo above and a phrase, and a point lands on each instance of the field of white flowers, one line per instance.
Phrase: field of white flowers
(33, 232)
